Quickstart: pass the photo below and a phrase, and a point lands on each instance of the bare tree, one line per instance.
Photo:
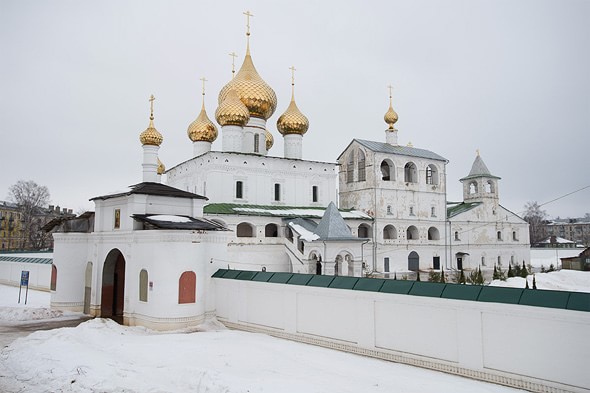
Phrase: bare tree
(536, 217)
(31, 198)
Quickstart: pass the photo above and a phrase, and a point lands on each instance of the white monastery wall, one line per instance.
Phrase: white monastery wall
(39, 274)
(70, 256)
(520, 346)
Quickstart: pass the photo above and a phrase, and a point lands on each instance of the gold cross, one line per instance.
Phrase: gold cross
(248, 15)
(233, 62)
(204, 80)
(151, 100)
(477, 151)
(292, 68)
(389, 87)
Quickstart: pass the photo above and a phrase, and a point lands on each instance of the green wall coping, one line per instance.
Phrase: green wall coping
(500, 295)
(246, 275)
(300, 279)
(430, 289)
(369, 284)
(543, 298)
(579, 301)
(262, 276)
(320, 281)
(343, 282)
(461, 292)
(280, 278)
(397, 286)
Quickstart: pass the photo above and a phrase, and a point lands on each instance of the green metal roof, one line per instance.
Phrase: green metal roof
(454, 209)
(44, 261)
(277, 211)
(579, 301)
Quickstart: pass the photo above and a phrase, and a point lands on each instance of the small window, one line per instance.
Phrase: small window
(433, 211)
(386, 264)
(277, 192)
(187, 288)
(314, 193)
(350, 168)
(53, 283)
(514, 236)
(256, 143)
(411, 210)
(239, 190)
(483, 261)
(361, 166)
(457, 235)
(436, 263)
(499, 260)
(143, 285)
(117, 218)
(499, 235)
(389, 209)
(271, 230)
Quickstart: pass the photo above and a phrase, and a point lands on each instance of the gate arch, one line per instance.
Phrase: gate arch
(113, 286)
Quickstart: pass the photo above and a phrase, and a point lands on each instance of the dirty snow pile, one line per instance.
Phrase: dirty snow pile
(563, 280)
(102, 356)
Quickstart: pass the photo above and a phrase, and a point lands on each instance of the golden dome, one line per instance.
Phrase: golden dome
(151, 136)
(202, 129)
(161, 167)
(232, 111)
(390, 116)
(292, 121)
(259, 98)
(270, 140)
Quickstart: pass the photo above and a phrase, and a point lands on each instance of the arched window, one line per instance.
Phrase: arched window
(431, 174)
(187, 287)
(473, 187)
(514, 236)
(256, 143)
(412, 233)
(271, 230)
(245, 230)
(499, 235)
(389, 232)
(490, 187)
(143, 285)
(350, 168)
(410, 173)
(361, 166)
(433, 234)
(239, 189)
(364, 231)
(387, 170)
(53, 278)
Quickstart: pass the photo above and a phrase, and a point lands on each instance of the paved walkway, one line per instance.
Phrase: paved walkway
(10, 331)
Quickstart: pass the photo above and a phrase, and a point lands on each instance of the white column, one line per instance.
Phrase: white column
(391, 137)
(293, 146)
(150, 163)
(201, 147)
(232, 138)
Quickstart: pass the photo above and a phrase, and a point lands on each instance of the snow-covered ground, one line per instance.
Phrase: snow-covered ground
(102, 356)
(563, 280)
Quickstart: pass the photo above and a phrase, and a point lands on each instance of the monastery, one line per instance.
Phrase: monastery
(146, 255)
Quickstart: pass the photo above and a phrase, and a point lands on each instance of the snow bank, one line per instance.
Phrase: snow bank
(169, 218)
(304, 233)
(563, 280)
(102, 356)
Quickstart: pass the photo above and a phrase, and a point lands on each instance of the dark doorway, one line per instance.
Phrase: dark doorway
(413, 261)
(436, 263)
(459, 263)
(113, 286)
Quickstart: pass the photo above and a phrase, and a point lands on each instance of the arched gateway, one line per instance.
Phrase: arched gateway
(113, 286)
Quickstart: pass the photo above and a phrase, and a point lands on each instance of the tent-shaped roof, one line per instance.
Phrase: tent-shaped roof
(333, 227)
(479, 169)
(150, 188)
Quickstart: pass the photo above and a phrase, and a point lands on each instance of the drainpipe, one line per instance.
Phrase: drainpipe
(362, 255)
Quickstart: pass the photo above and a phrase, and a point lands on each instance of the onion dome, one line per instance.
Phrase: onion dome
(151, 136)
(161, 167)
(270, 140)
(232, 111)
(390, 116)
(202, 129)
(259, 97)
(292, 121)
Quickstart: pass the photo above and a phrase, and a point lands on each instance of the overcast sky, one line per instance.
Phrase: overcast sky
(510, 78)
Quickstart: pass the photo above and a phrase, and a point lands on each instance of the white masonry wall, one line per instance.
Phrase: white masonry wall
(534, 348)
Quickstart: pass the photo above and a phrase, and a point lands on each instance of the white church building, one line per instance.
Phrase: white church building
(147, 254)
